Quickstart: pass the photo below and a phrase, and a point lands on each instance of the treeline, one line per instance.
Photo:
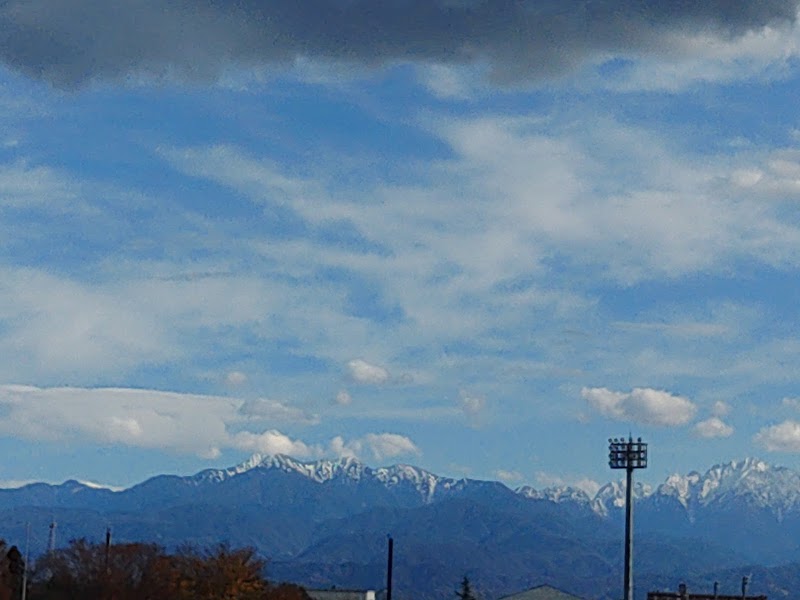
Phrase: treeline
(88, 571)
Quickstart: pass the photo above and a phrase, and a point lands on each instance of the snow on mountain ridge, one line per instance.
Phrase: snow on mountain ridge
(324, 470)
(612, 495)
(750, 480)
(558, 494)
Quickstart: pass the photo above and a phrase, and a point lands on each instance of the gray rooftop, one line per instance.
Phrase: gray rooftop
(542, 592)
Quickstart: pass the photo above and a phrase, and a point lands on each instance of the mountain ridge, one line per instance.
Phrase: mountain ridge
(325, 522)
(750, 480)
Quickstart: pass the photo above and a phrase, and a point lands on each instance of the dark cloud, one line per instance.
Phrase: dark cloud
(68, 43)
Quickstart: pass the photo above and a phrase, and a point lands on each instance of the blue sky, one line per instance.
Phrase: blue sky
(480, 237)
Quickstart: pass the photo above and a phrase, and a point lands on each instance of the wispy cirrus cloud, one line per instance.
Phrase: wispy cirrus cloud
(266, 409)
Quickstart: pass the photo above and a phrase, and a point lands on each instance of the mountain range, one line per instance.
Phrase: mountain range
(325, 523)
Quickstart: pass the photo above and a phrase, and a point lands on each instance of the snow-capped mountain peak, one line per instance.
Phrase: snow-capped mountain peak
(347, 468)
(750, 481)
(558, 494)
(612, 495)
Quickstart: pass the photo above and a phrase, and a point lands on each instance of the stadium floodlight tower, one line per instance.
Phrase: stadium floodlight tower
(629, 455)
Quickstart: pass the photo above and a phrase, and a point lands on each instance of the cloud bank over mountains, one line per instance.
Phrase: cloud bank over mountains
(68, 44)
(176, 422)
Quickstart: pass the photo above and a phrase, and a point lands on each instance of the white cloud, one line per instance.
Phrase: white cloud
(783, 437)
(170, 421)
(236, 378)
(641, 405)
(70, 327)
(390, 445)
(791, 403)
(272, 410)
(764, 53)
(60, 326)
(508, 476)
(684, 329)
(363, 372)
(471, 405)
(594, 197)
(713, 428)
(720, 409)
(259, 179)
(379, 446)
(343, 398)
(448, 82)
(273, 442)
(13, 484)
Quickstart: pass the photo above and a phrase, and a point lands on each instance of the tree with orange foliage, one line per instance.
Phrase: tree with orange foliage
(86, 570)
(218, 574)
(145, 572)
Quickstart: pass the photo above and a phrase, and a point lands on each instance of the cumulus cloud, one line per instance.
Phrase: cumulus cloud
(70, 43)
(273, 442)
(783, 437)
(363, 372)
(343, 398)
(720, 408)
(642, 405)
(508, 476)
(471, 405)
(713, 428)
(379, 446)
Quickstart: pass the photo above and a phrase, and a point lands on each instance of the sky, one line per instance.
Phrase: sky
(477, 236)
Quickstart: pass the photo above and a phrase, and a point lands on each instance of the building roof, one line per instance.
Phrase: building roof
(341, 594)
(542, 592)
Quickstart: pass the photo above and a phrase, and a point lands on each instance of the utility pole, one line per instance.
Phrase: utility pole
(109, 593)
(51, 540)
(628, 455)
(24, 593)
(108, 549)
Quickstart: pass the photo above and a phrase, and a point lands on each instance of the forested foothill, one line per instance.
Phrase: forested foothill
(138, 571)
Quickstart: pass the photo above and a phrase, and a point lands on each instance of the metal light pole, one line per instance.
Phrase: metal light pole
(628, 455)
(389, 568)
